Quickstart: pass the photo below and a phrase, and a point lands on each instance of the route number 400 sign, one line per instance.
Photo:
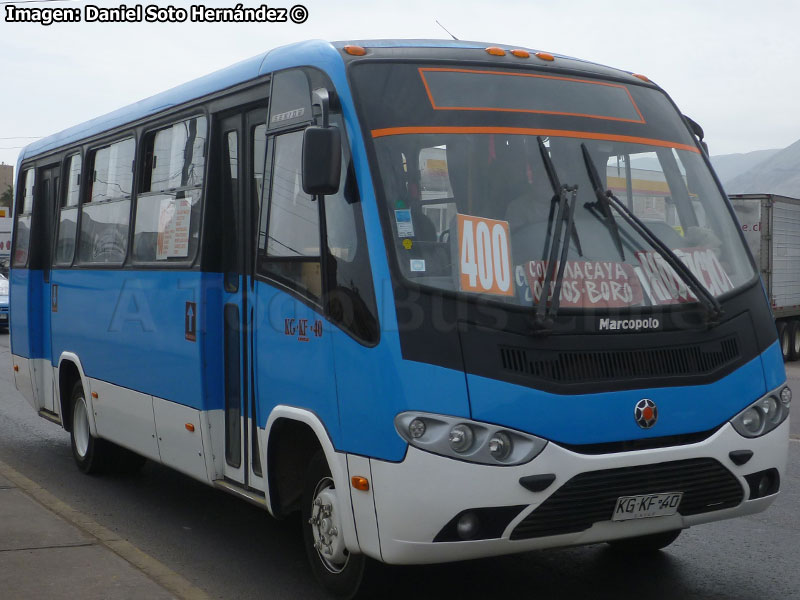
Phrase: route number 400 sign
(485, 256)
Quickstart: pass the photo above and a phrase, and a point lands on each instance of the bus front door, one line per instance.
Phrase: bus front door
(241, 141)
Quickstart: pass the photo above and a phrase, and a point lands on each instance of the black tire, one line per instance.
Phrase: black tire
(645, 543)
(342, 578)
(91, 454)
(784, 339)
(794, 339)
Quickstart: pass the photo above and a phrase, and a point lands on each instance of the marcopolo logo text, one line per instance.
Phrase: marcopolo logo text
(628, 324)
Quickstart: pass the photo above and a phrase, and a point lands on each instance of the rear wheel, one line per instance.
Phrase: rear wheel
(794, 339)
(90, 453)
(339, 571)
(783, 337)
(645, 543)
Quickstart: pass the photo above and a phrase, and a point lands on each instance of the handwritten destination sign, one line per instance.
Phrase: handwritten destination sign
(586, 284)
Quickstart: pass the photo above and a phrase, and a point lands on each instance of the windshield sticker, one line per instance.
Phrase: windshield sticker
(485, 257)
(665, 286)
(586, 284)
(417, 265)
(408, 244)
(405, 226)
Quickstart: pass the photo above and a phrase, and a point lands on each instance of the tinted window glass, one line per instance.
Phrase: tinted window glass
(112, 178)
(106, 213)
(24, 210)
(68, 214)
(293, 217)
(168, 206)
(73, 181)
(292, 237)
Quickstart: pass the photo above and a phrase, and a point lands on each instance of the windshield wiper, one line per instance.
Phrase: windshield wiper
(552, 177)
(705, 298)
(602, 203)
(557, 255)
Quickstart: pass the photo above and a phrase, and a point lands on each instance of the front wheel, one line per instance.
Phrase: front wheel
(339, 571)
(645, 543)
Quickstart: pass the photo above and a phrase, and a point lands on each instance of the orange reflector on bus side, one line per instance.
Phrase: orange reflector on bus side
(355, 50)
(495, 51)
(642, 77)
(360, 483)
(189, 427)
(94, 395)
(16, 367)
(545, 56)
(521, 53)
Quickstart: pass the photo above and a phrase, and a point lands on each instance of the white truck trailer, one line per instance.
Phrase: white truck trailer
(771, 226)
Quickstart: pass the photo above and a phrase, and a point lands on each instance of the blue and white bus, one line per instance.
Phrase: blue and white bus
(447, 300)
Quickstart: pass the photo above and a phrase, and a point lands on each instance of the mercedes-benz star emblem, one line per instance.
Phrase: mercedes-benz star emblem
(645, 413)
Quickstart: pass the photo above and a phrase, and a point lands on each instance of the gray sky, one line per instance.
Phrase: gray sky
(729, 64)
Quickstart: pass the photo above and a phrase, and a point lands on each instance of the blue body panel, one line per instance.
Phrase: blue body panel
(774, 369)
(128, 328)
(609, 416)
(25, 311)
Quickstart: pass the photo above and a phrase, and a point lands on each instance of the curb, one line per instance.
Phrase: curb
(181, 587)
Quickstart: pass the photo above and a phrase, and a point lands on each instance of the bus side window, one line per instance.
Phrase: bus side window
(105, 212)
(168, 202)
(68, 213)
(24, 213)
(290, 250)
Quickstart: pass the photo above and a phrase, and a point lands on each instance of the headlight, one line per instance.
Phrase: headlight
(467, 440)
(765, 414)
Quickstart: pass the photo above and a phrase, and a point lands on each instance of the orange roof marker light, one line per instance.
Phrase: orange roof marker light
(189, 427)
(545, 56)
(495, 51)
(521, 53)
(355, 50)
(644, 78)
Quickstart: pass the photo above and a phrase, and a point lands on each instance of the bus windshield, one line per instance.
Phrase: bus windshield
(471, 164)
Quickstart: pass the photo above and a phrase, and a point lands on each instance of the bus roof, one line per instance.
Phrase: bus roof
(295, 54)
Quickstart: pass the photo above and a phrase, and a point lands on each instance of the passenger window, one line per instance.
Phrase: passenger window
(68, 213)
(106, 211)
(24, 213)
(291, 245)
(168, 205)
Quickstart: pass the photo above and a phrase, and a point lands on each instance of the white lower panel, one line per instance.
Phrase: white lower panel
(125, 417)
(364, 508)
(416, 498)
(23, 379)
(181, 447)
(42, 382)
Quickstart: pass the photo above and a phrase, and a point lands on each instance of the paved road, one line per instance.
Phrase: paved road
(234, 550)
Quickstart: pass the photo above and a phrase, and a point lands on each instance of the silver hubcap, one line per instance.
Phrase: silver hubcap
(80, 427)
(326, 529)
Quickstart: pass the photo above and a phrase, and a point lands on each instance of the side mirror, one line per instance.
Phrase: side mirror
(322, 160)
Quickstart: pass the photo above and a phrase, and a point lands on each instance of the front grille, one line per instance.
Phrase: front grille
(591, 497)
(575, 366)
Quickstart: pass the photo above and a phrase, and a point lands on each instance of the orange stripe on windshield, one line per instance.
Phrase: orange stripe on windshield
(584, 135)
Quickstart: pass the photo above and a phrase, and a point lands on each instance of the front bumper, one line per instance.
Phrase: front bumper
(416, 498)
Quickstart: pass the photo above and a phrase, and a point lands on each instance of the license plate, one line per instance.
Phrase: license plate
(646, 505)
